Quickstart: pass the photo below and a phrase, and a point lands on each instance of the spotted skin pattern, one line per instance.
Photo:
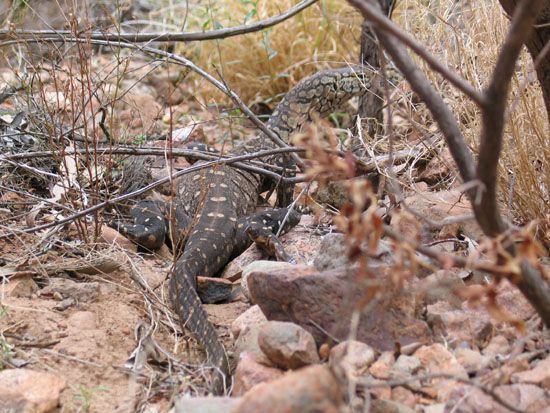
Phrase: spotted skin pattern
(217, 204)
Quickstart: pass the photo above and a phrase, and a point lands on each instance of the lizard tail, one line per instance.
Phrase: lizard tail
(194, 318)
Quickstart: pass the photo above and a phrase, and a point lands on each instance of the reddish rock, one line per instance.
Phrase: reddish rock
(248, 343)
(388, 406)
(498, 346)
(287, 345)
(471, 360)
(22, 287)
(251, 317)
(540, 374)
(440, 205)
(328, 299)
(24, 390)
(309, 390)
(112, 237)
(249, 373)
(353, 357)
(381, 368)
(404, 367)
(261, 266)
(437, 359)
(404, 396)
(300, 244)
(456, 325)
(525, 397)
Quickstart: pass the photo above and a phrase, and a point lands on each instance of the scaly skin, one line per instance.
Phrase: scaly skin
(218, 199)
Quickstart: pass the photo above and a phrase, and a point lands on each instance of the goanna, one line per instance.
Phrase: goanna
(216, 206)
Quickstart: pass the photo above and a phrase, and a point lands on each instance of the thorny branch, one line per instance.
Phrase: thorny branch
(492, 104)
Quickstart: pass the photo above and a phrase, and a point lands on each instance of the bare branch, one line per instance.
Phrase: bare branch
(382, 22)
(147, 188)
(180, 60)
(487, 211)
(162, 36)
(420, 84)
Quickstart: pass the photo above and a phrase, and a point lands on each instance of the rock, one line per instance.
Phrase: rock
(441, 286)
(205, 404)
(328, 299)
(381, 368)
(63, 288)
(404, 367)
(513, 301)
(300, 244)
(21, 287)
(112, 237)
(251, 317)
(388, 406)
(287, 345)
(249, 373)
(248, 343)
(308, 390)
(435, 408)
(441, 205)
(455, 324)
(353, 357)
(214, 290)
(540, 374)
(498, 346)
(261, 267)
(333, 252)
(24, 390)
(471, 360)
(403, 396)
(525, 397)
(437, 359)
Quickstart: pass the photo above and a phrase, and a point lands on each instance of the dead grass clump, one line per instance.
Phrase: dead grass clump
(467, 37)
(263, 66)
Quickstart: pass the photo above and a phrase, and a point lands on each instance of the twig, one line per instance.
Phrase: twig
(163, 36)
(180, 60)
(420, 84)
(383, 23)
(147, 188)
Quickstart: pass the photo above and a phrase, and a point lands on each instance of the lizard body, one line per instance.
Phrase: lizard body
(215, 204)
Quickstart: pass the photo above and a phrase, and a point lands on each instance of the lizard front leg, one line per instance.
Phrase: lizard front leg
(261, 228)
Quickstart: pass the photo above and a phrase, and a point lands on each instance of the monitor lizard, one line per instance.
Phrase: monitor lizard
(215, 206)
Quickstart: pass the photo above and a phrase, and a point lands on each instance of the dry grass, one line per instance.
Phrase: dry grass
(263, 66)
(467, 39)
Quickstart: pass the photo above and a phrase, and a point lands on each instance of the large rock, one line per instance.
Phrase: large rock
(309, 390)
(328, 300)
(29, 391)
(287, 345)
